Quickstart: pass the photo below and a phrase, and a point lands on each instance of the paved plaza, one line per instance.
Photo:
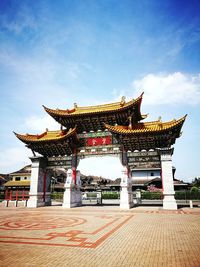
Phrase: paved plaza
(99, 236)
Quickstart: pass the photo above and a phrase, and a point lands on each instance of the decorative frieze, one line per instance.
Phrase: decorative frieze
(143, 159)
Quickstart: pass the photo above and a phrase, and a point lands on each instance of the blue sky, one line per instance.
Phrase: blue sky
(55, 53)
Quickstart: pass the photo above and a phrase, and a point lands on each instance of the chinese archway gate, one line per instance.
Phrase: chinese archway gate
(115, 128)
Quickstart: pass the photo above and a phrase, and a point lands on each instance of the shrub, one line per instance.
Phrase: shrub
(92, 195)
(188, 195)
(153, 188)
(57, 195)
(194, 189)
(113, 195)
(151, 195)
(2, 194)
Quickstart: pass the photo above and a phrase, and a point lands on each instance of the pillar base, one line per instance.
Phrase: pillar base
(126, 197)
(48, 199)
(35, 201)
(72, 197)
(169, 202)
(6, 203)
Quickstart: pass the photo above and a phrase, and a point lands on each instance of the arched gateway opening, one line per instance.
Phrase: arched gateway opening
(101, 176)
(110, 129)
(108, 167)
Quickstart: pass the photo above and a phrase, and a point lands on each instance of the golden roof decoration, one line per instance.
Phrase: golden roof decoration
(123, 101)
(46, 136)
(146, 127)
(94, 109)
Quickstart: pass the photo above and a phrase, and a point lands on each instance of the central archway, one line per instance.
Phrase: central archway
(108, 167)
(99, 186)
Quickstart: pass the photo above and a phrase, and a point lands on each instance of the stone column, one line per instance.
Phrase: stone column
(47, 189)
(72, 196)
(38, 172)
(126, 196)
(169, 202)
(78, 189)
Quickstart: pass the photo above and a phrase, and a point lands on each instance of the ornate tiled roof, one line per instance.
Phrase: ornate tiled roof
(106, 108)
(47, 136)
(24, 171)
(51, 143)
(146, 127)
(17, 183)
(92, 118)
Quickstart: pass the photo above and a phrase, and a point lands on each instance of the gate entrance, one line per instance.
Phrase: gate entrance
(97, 187)
(110, 129)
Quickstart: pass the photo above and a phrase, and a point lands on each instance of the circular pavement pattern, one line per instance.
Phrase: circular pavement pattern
(39, 223)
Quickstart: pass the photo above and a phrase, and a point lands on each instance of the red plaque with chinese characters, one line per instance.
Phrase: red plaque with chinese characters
(99, 141)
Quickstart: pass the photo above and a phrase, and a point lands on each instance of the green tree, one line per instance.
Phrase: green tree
(196, 182)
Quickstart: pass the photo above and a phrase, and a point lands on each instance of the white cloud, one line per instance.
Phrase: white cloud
(40, 123)
(14, 158)
(175, 88)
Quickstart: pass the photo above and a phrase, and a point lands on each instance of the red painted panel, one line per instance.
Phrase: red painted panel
(74, 175)
(99, 141)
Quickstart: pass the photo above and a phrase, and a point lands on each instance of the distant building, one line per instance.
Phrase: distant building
(142, 178)
(18, 187)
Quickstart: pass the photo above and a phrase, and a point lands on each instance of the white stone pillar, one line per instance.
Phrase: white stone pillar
(78, 188)
(169, 202)
(36, 194)
(48, 189)
(126, 196)
(72, 195)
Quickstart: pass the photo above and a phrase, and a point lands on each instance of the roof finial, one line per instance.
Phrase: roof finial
(160, 121)
(123, 101)
(75, 105)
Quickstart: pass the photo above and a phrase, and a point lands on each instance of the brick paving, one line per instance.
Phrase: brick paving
(99, 236)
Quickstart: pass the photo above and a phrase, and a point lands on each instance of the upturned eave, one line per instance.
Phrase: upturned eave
(146, 127)
(47, 136)
(98, 109)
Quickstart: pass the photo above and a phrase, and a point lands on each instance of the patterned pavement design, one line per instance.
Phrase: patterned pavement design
(68, 230)
(99, 236)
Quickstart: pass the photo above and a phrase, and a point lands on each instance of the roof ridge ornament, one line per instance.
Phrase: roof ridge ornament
(75, 106)
(123, 101)
(160, 121)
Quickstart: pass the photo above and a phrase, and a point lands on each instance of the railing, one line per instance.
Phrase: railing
(16, 195)
(183, 197)
(90, 197)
